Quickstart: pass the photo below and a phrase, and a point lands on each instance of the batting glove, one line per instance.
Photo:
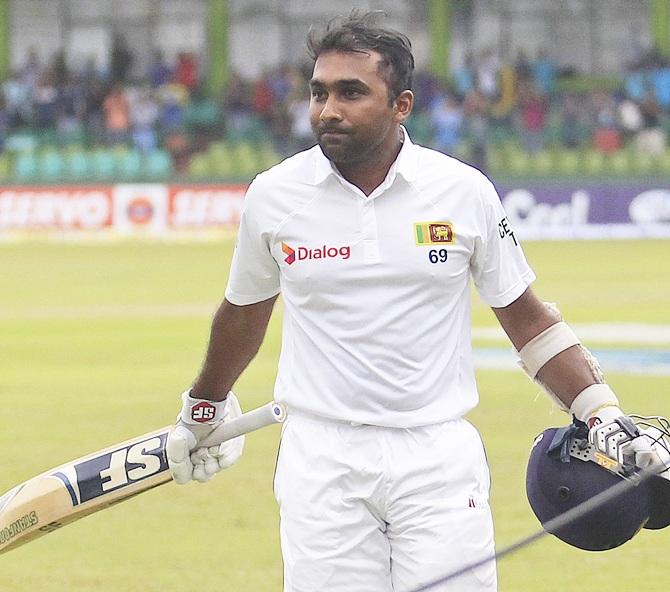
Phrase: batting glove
(197, 419)
(616, 436)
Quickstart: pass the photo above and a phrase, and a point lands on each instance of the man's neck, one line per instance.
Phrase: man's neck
(369, 174)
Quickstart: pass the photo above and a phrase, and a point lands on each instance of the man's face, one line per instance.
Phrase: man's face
(349, 110)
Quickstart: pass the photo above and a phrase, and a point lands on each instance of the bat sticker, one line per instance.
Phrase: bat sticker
(113, 470)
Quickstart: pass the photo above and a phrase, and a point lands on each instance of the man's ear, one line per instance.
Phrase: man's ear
(402, 106)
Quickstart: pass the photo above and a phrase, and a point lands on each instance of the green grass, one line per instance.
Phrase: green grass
(98, 341)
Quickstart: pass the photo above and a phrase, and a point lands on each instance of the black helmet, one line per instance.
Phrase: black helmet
(563, 473)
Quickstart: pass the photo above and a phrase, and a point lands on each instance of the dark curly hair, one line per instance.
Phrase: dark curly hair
(358, 33)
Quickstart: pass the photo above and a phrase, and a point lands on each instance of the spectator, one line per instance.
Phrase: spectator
(159, 72)
(237, 105)
(4, 122)
(533, 110)
(173, 100)
(120, 61)
(143, 116)
(487, 74)
(475, 109)
(522, 68)
(298, 110)
(544, 73)
(61, 74)
(652, 137)
(18, 100)
(262, 98)
(186, 72)
(31, 70)
(117, 117)
(174, 97)
(95, 94)
(606, 136)
(71, 107)
(571, 117)
(446, 117)
(45, 99)
(630, 117)
(464, 76)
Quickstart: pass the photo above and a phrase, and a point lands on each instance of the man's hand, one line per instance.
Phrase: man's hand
(616, 436)
(197, 419)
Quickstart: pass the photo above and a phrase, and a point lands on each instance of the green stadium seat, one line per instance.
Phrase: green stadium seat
(158, 164)
(463, 151)
(221, 160)
(594, 162)
(6, 167)
(129, 165)
(25, 167)
(103, 164)
(568, 162)
(267, 155)
(200, 167)
(78, 165)
(50, 165)
(496, 160)
(643, 163)
(618, 163)
(543, 162)
(518, 162)
(246, 159)
(663, 163)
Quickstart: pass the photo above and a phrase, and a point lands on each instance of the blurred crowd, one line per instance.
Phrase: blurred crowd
(486, 101)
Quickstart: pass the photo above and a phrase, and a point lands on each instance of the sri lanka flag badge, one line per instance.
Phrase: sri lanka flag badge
(434, 233)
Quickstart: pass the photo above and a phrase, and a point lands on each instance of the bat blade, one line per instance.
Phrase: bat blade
(94, 482)
(73, 490)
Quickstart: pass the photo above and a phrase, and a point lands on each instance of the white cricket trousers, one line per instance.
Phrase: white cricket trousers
(372, 509)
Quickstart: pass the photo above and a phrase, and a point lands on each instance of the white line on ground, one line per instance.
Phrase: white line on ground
(612, 333)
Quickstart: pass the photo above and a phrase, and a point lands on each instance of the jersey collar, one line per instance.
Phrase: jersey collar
(405, 165)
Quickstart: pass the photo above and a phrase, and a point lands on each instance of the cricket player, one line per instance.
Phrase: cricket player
(372, 242)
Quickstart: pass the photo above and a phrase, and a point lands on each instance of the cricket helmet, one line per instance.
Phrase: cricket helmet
(563, 473)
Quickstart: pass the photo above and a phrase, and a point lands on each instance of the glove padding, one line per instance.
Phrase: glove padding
(616, 436)
(186, 459)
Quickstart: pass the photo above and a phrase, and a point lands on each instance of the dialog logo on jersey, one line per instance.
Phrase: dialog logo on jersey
(322, 252)
(290, 253)
(434, 233)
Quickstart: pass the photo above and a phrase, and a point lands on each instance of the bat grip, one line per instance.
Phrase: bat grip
(260, 417)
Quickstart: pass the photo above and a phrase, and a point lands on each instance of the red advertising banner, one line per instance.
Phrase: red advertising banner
(202, 206)
(125, 209)
(55, 208)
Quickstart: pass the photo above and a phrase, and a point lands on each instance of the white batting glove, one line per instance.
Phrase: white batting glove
(616, 436)
(196, 420)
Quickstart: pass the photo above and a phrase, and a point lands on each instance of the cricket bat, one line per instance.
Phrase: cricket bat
(94, 482)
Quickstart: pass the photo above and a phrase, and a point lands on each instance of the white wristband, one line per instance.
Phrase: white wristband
(201, 411)
(591, 400)
(548, 344)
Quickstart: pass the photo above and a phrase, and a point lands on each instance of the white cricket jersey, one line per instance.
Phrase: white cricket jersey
(376, 289)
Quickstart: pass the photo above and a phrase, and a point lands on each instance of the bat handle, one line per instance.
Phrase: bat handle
(260, 417)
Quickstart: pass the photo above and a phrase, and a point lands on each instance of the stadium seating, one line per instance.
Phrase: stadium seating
(128, 164)
(78, 165)
(36, 158)
(157, 165)
(103, 164)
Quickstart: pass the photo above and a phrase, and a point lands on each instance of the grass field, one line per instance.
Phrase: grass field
(98, 341)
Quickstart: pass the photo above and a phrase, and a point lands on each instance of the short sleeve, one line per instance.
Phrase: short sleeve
(498, 265)
(254, 273)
